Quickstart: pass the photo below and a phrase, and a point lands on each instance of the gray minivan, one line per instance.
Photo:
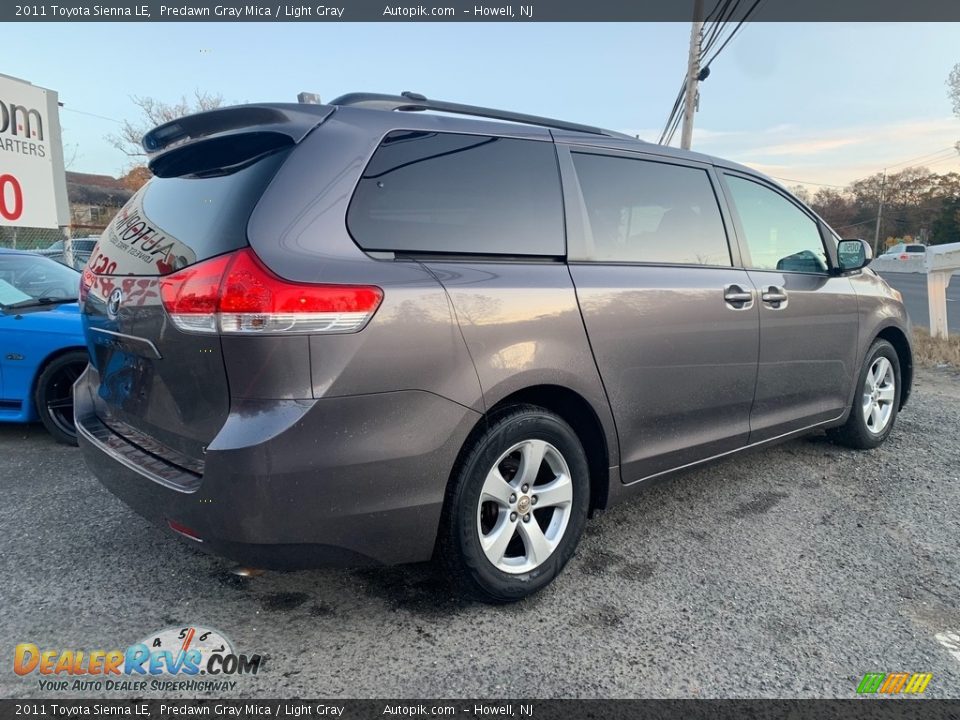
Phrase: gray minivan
(364, 332)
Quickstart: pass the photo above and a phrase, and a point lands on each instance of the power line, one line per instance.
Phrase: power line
(717, 28)
(710, 14)
(670, 131)
(713, 27)
(844, 227)
(742, 22)
(943, 159)
(676, 107)
(90, 114)
(951, 149)
(808, 182)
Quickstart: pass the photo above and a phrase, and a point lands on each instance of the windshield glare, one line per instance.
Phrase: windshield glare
(34, 277)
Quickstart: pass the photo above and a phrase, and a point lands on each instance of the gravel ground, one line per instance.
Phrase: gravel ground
(787, 572)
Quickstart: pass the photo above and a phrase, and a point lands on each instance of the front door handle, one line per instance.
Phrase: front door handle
(737, 297)
(775, 297)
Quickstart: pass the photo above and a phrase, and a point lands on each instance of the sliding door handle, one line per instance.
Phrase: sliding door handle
(737, 298)
(775, 297)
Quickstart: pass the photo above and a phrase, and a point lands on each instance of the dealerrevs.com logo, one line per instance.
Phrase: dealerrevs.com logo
(175, 659)
(894, 683)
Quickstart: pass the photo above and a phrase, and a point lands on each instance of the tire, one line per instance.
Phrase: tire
(53, 395)
(876, 403)
(532, 533)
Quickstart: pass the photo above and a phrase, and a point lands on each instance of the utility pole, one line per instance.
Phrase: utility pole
(876, 234)
(693, 72)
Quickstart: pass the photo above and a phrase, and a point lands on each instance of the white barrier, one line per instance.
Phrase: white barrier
(941, 262)
(912, 263)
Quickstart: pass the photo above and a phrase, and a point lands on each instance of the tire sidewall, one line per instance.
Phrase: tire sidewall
(878, 349)
(40, 392)
(528, 425)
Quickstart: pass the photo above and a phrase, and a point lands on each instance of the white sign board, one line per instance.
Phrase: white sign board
(33, 186)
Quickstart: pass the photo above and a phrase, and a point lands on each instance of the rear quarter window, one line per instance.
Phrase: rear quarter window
(448, 193)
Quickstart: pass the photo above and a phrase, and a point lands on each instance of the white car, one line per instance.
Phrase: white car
(904, 251)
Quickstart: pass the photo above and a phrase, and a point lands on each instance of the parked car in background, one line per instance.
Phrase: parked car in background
(81, 247)
(906, 250)
(42, 349)
(351, 333)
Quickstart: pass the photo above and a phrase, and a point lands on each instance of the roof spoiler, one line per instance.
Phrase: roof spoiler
(244, 128)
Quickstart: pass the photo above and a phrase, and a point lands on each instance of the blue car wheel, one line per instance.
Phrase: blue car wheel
(54, 395)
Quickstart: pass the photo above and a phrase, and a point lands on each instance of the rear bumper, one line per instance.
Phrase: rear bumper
(297, 483)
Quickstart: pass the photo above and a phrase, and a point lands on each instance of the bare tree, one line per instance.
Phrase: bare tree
(801, 193)
(953, 88)
(154, 112)
(71, 153)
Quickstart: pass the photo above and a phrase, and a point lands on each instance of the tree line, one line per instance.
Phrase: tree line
(918, 205)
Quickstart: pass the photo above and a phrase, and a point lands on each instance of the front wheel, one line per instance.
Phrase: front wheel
(877, 400)
(516, 508)
(54, 395)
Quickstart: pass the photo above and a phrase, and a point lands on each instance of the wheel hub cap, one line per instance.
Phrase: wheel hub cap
(523, 505)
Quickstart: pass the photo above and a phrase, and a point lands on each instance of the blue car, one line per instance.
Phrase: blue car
(42, 350)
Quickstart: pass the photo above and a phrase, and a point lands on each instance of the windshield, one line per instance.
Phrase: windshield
(35, 280)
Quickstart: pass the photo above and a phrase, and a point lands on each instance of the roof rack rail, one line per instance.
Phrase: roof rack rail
(412, 102)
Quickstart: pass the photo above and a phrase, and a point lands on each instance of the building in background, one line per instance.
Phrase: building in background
(94, 200)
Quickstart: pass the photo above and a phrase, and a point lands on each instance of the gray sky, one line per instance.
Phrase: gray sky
(824, 103)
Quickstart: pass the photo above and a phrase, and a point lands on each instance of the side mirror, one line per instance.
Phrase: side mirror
(853, 254)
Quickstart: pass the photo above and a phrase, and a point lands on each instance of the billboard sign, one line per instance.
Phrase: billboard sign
(33, 186)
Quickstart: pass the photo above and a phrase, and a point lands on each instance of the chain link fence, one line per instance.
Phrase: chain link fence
(21, 238)
(70, 246)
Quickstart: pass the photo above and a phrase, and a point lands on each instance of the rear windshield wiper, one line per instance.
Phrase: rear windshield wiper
(39, 301)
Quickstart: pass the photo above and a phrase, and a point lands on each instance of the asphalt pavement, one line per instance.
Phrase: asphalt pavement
(913, 286)
(786, 572)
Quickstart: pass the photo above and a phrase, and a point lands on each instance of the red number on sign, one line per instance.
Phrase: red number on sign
(8, 212)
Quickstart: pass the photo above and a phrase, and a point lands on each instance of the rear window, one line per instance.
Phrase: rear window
(916, 249)
(426, 192)
(171, 223)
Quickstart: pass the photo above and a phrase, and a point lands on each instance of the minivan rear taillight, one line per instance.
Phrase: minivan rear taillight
(86, 282)
(236, 293)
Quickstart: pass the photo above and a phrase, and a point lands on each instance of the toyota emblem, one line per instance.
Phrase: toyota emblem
(113, 303)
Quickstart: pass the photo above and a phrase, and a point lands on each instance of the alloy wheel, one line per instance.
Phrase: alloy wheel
(525, 506)
(879, 392)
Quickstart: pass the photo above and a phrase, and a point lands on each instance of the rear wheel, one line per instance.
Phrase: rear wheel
(516, 509)
(54, 395)
(877, 400)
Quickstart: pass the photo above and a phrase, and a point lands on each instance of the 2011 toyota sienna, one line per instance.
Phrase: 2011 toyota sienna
(358, 333)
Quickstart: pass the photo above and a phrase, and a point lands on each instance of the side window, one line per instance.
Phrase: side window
(779, 235)
(644, 211)
(450, 193)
